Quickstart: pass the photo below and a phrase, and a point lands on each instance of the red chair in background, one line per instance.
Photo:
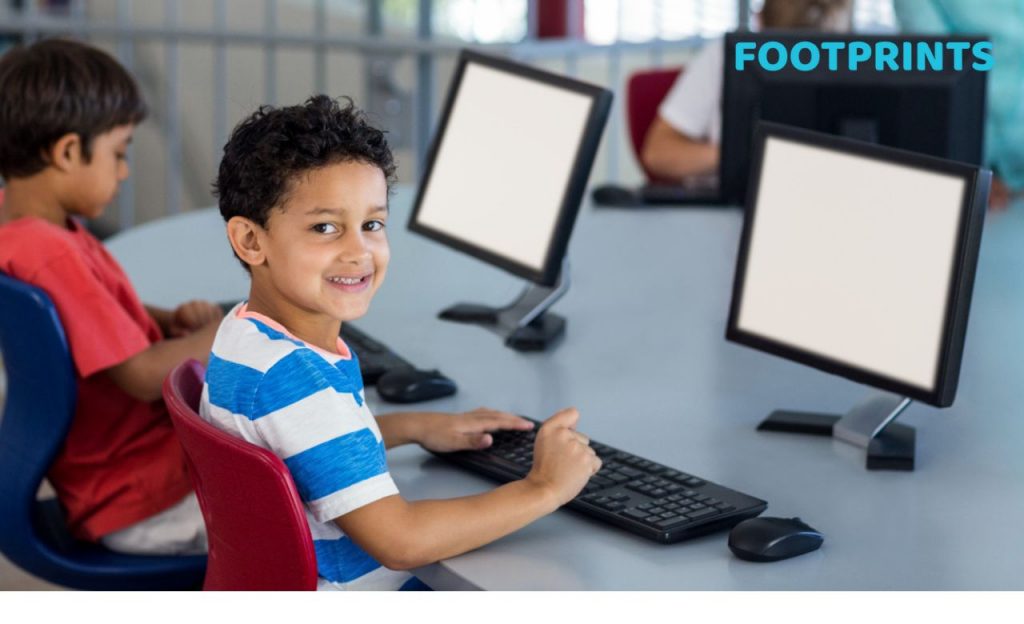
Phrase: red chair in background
(259, 538)
(644, 92)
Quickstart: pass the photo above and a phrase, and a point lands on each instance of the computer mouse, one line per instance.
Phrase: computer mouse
(411, 385)
(773, 539)
(614, 195)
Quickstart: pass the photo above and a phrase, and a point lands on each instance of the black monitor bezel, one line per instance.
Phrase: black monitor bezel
(746, 86)
(958, 298)
(590, 140)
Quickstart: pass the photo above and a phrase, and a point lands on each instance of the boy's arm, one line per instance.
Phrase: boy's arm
(441, 431)
(186, 318)
(403, 535)
(672, 155)
(162, 317)
(142, 375)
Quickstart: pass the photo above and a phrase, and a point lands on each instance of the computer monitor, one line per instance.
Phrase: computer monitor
(940, 112)
(859, 260)
(503, 182)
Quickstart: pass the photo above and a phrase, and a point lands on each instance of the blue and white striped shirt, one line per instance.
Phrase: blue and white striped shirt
(306, 406)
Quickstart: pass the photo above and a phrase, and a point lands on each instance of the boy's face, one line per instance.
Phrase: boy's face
(93, 184)
(327, 251)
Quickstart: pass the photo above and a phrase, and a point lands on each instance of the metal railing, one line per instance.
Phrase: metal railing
(175, 89)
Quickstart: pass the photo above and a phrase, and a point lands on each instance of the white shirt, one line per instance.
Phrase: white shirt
(693, 105)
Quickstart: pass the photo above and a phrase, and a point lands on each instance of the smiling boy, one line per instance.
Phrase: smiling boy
(304, 192)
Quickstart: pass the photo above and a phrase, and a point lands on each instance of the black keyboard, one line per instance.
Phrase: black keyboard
(630, 492)
(375, 358)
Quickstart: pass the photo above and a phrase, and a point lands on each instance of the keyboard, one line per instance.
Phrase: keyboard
(375, 358)
(629, 492)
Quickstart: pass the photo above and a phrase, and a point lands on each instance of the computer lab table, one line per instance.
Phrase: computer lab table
(645, 360)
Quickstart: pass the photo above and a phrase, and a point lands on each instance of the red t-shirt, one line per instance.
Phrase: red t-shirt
(121, 462)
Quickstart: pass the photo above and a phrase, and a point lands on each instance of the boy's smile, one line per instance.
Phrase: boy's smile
(324, 252)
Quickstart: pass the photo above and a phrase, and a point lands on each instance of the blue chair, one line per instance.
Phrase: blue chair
(40, 405)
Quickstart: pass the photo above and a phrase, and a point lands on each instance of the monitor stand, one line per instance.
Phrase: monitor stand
(868, 425)
(525, 323)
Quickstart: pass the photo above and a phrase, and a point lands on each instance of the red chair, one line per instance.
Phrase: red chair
(644, 92)
(259, 539)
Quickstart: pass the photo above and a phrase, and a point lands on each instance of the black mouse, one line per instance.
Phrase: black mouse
(772, 539)
(614, 195)
(410, 385)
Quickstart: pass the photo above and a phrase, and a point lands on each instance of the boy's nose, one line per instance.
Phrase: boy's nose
(353, 247)
(123, 171)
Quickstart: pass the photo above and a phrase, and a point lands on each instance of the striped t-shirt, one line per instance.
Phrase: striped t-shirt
(305, 405)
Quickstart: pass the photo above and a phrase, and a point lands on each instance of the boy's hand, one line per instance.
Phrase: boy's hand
(190, 316)
(563, 461)
(443, 433)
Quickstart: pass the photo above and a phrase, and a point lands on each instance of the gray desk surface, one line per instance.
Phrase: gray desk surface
(646, 363)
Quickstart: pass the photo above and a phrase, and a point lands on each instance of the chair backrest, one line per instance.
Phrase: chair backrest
(35, 419)
(644, 92)
(258, 535)
(40, 405)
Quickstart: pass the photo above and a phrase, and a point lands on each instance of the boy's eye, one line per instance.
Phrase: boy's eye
(373, 226)
(325, 228)
(121, 156)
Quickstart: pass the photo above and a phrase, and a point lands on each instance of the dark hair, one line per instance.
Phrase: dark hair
(56, 87)
(805, 14)
(274, 146)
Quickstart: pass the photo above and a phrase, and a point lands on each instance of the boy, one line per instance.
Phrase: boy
(682, 142)
(304, 192)
(67, 112)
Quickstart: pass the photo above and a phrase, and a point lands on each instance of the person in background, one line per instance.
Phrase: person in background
(67, 114)
(1003, 22)
(683, 141)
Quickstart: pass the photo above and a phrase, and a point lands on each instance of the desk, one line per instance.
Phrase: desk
(645, 361)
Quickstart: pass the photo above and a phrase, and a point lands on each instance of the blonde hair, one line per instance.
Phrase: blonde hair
(833, 15)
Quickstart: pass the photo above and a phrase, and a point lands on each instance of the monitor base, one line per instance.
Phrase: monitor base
(537, 335)
(891, 447)
(525, 324)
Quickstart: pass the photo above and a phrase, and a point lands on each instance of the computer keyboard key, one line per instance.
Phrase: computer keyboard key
(665, 523)
(635, 514)
(703, 513)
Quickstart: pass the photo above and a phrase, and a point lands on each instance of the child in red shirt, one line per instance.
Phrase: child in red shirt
(67, 113)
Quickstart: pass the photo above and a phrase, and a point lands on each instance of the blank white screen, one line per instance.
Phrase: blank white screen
(503, 165)
(851, 258)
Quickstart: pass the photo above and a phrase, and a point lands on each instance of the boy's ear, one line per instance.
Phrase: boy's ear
(246, 240)
(66, 152)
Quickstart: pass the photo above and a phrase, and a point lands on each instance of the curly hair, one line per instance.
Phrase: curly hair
(57, 87)
(273, 147)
